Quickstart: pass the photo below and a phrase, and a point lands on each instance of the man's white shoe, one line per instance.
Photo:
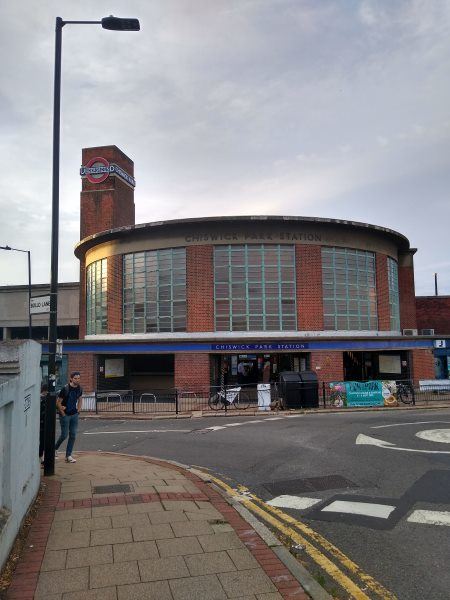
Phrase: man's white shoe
(70, 459)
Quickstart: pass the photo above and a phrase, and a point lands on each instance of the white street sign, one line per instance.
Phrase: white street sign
(40, 304)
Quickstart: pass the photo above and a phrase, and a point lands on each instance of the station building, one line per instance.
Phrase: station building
(177, 303)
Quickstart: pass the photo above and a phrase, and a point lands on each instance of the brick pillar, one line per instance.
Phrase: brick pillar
(114, 294)
(199, 288)
(408, 318)
(422, 365)
(108, 204)
(384, 313)
(82, 300)
(329, 366)
(309, 287)
(86, 363)
(192, 371)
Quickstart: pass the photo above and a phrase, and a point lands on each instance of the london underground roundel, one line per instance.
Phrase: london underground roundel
(97, 170)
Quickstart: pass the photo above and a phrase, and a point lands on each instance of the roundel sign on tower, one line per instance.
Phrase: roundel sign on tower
(96, 170)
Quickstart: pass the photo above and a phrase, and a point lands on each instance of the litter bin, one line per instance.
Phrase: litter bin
(290, 389)
(310, 389)
(263, 396)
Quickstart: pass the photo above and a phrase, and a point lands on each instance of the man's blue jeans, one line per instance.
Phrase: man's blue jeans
(69, 426)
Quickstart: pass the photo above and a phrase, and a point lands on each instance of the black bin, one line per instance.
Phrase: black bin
(310, 389)
(291, 389)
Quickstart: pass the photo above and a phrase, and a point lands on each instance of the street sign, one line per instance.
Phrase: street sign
(39, 305)
(59, 349)
(440, 343)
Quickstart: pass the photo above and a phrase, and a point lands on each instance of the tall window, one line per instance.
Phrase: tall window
(254, 288)
(96, 287)
(394, 304)
(349, 289)
(154, 291)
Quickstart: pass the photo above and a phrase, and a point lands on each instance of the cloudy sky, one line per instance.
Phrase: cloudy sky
(329, 108)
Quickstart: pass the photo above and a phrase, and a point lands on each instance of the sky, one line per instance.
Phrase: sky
(327, 108)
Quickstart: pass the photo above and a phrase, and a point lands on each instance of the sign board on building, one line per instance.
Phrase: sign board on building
(39, 305)
(440, 343)
(363, 393)
(114, 367)
(98, 169)
(27, 403)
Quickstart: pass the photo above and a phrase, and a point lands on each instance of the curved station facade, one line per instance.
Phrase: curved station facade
(178, 303)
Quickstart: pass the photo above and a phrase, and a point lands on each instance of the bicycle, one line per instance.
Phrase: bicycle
(405, 392)
(231, 397)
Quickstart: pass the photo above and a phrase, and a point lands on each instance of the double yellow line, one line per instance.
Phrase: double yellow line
(354, 580)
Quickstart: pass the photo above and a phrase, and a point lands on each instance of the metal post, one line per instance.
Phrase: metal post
(176, 401)
(435, 285)
(29, 295)
(50, 413)
(323, 395)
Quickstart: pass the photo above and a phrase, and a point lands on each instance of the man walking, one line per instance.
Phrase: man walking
(68, 405)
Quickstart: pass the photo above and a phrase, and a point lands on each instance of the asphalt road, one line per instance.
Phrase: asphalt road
(316, 457)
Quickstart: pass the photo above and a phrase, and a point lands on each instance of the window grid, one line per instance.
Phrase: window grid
(96, 303)
(349, 289)
(394, 302)
(254, 288)
(154, 291)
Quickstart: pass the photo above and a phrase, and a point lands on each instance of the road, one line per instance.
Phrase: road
(364, 480)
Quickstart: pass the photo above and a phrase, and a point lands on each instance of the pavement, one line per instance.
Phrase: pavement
(117, 527)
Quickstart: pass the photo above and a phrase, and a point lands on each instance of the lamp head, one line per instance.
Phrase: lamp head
(5, 248)
(118, 24)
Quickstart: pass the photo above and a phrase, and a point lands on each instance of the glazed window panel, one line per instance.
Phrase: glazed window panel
(349, 289)
(154, 291)
(96, 303)
(394, 302)
(258, 280)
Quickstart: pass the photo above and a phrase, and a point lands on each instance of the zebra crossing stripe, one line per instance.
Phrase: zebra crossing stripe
(367, 509)
(298, 502)
(430, 517)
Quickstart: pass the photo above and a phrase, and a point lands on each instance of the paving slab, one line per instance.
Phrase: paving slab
(109, 511)
(68, 580)
(90, 524)
(54, 560)
(135, 551)
(240, 583)
(84, 557)
(152, 532)
(109, 593)
(187, 528)
(211, 562)
(120, 535)
(171, 516)
(120, 574)
(204, 587)
(148, 507)
(62, 540)
(179, 546)
(163, 568)
(136, 520)
(157, 590)
(72, 514)
(220, 541)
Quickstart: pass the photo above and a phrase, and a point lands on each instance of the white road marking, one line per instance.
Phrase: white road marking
(412, 423)
(435, 435)
(233, 424)
(381, 511)
(139, 431)
(430, 517)
(298, 502)
(274, 418)
(370, 441)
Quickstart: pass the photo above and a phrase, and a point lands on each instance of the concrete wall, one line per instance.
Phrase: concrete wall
(19, 436)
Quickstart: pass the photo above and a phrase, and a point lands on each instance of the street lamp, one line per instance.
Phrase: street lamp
(115, 24)
(29, 283)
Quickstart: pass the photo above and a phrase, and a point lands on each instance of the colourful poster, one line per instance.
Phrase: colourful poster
(363, 393)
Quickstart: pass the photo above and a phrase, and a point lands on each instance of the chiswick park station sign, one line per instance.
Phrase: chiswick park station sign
(98, 169)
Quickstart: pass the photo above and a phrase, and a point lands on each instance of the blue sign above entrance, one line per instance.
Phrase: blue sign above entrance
(261, 347)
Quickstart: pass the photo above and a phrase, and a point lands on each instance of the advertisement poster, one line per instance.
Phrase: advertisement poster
(363, 393)
(114, 367)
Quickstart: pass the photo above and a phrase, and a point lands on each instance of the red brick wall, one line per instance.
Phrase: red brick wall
(407, 296)
(384, 315)
(84, 362)
(433, 312)
(331, 366)
(108, 204)
(422, 365)
(309, 287)
(114, 294)
(199, 288)
(192, 371)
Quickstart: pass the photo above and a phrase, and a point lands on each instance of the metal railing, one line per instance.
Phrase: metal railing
(186, 401)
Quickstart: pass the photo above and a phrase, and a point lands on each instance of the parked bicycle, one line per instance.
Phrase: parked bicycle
(234, 397)
(405, 392)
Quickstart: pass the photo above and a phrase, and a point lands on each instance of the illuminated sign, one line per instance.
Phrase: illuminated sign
(98, 170)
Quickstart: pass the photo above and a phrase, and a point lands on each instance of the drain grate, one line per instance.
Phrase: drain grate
(112, 489)
(309, 484)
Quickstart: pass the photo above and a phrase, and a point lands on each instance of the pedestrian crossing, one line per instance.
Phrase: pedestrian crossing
(373, 510)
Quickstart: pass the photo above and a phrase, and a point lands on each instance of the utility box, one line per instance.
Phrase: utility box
(263, 396)
(310, 389)
(290, 391)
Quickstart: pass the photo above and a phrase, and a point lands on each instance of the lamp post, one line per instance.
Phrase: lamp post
(29, 283)
(115, 24)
